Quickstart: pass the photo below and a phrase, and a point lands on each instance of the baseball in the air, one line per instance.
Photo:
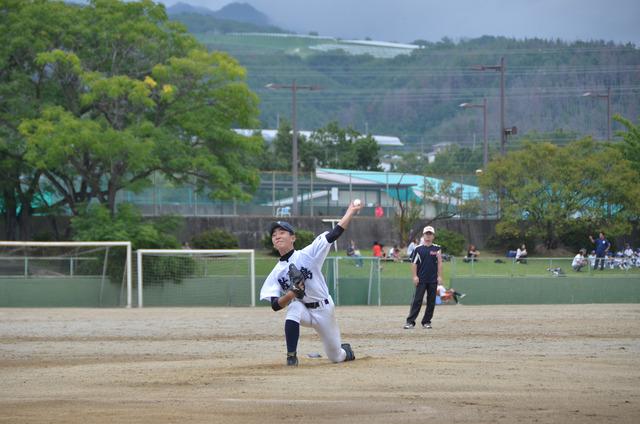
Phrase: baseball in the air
(357, 202)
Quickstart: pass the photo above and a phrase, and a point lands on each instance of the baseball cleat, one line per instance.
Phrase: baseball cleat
(292, 360)
(427, 326)
(409, 325)
(347, 348)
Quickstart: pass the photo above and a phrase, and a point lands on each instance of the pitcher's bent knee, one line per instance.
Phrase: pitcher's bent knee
(336, 355)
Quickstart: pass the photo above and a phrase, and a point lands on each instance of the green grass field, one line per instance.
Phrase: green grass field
(486, 267)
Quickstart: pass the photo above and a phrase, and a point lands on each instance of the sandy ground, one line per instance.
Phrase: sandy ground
(480, 364)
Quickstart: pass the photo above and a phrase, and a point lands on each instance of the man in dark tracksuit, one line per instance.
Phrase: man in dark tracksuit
(426, 269)
(602, 247)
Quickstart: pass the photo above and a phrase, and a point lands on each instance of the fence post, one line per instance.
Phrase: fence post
(336, 286)
(379, 285)
(311, 196)
(273, 193)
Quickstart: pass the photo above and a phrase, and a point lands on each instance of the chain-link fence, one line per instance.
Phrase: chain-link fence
(325, 193)
(542, 267)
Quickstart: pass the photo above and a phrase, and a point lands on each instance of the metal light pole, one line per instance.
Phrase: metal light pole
(500, 68)
(485, 145)
(608, 97)
(294, 150)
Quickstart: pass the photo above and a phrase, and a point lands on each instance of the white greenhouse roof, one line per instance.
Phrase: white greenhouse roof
(270, 135)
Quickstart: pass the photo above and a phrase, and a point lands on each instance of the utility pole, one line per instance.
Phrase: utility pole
(608, 97)
(485, 145)
(294, 87)
(499, 68)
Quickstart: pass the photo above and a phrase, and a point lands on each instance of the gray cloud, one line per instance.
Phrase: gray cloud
(408, 20)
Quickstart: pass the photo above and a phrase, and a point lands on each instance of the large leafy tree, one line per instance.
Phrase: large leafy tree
(24, 33)
(330, 146)
(630, 145)
(115, 92)
(544, 188)
(344, 148)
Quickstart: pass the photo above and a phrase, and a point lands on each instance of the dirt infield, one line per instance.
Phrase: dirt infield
(479, 364)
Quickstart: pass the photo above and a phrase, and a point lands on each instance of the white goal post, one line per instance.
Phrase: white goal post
(12, 251)
(184, 277)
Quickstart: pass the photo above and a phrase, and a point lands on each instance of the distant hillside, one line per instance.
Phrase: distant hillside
(198, 23)
(416, 96)
(234, 17)
(243, 12)
(180, 8)
(414, 93)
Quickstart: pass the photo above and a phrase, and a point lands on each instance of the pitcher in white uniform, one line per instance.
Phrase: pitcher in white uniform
(316, 308)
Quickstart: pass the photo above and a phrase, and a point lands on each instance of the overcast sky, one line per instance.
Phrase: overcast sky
(409, 20)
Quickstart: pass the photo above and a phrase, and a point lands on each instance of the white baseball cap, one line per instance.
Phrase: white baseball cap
(428, 229)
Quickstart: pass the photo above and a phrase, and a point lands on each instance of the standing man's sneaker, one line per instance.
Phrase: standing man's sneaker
(409, 325)
(350, 355)
(427, 326)
(292, 360)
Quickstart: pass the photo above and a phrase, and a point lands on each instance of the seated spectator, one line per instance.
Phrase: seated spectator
(394, 253)
(521, 254)
(619, 261)
(472, 254)
(353, 251)
(378, 250)
(608, 259)
(629, 256)
(579, 261)
(447, 295)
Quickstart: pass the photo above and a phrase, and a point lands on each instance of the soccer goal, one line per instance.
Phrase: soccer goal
(192, 277)
(66, 273)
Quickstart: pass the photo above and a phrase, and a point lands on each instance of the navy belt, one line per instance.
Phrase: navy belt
(314, 305)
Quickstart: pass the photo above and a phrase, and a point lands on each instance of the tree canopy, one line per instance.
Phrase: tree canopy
(328, 147)
(97, 98)
(544, 188)
(630, 145)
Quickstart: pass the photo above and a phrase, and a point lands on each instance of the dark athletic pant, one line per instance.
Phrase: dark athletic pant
(431, 290)
(599, 259)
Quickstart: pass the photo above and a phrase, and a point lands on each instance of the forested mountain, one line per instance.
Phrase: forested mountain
(234, 17)
(416, 96)
(242, 12)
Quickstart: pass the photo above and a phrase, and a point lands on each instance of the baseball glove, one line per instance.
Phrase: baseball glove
(297, 281)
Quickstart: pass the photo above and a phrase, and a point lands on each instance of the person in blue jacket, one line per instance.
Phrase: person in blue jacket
(602, 247)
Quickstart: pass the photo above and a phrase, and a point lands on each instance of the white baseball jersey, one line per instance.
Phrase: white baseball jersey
(309, 261)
